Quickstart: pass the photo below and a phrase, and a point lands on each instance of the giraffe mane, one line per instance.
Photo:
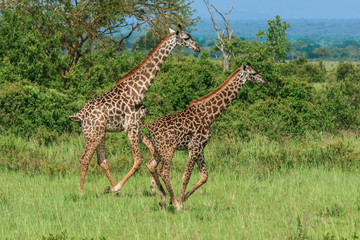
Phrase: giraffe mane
(145, 59)
(218, 89)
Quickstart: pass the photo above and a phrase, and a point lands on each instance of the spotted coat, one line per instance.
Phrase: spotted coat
(116, 110)
(190, 130)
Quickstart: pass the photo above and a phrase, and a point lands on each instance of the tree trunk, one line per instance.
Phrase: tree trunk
(65, 83)
(225, 61)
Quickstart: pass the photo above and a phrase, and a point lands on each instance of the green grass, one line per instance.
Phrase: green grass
(301, 188)
(259, 154)
(299, 204)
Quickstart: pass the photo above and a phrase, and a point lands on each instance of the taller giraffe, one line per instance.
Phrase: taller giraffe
(116, 110)
(190, 130)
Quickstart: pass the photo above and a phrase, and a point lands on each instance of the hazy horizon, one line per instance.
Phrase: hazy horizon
(287, 9)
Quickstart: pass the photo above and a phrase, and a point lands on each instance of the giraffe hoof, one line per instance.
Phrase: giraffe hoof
(107, 190)
(178, 206)
(153, 192)
(162, 205)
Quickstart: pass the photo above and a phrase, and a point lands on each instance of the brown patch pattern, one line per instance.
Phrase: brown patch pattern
(116, 110)
(190, 130)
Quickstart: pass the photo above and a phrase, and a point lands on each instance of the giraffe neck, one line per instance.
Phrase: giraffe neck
(141, 77)
(216, 102)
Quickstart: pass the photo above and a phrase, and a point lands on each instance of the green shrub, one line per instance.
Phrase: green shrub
(340, 103)
(30, 110)
(304, 70)
(181, 81)
(343, 70)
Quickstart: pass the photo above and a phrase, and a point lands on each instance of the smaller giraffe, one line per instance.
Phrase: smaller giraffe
(190, 130)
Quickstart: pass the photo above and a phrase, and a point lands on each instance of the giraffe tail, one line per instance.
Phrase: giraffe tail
(143, 124)
(147, 126)
(141, 111)
(75, 117)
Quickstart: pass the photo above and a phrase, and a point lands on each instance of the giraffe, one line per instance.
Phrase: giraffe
(189, 130)
(116, 110)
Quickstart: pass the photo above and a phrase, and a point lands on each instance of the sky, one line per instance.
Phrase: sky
(287, 9)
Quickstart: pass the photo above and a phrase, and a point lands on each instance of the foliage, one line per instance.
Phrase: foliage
(344, 70)
(289, 105)
(303, 47)
(337, 40)
(276, 43)
(22, 51)
(341, 99)
(181, 81)
(242, 51)
(303, 69)
(71, 29)
(33, 102)
(145, 42)
(29, 110)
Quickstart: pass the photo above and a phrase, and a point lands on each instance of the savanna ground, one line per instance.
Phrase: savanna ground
(257, 189)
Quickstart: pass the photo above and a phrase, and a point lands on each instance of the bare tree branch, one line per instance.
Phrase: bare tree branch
(133, 28)
(222, 35)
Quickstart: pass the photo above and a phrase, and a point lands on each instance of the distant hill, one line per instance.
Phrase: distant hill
(299, 28)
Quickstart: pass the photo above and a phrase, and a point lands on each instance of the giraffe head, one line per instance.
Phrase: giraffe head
(252, 75)
(184, 39)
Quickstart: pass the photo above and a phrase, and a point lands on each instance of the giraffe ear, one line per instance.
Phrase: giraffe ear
(171, 30)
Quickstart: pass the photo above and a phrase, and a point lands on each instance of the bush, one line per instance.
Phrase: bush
(303, 69)
(343, 70)
(283, 108)
(181, 81)
(27, 109)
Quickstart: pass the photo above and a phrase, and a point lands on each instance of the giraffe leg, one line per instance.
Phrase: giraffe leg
(193, 155)
(91, 145)
(150, 146)
(203, 179)
(102, 161)
(134, 143)
(165, 174)
(147, 142)
(153, 185)
(152, 166)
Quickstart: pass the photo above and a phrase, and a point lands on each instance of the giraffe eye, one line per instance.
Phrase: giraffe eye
(186, 39)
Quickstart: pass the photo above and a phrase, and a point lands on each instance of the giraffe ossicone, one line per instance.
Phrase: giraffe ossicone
(117, 110)
(190, 130)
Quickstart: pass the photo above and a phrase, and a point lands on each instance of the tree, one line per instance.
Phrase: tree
(224, 36)
(145, 42)
(23, 51)
(276, 43)
(322, 52)
(241, 51)
(74, 26)
(353, 52)
(297, 49)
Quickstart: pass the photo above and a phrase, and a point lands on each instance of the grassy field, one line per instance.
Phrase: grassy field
(260, 155)
(309, 203)
(305, 188)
